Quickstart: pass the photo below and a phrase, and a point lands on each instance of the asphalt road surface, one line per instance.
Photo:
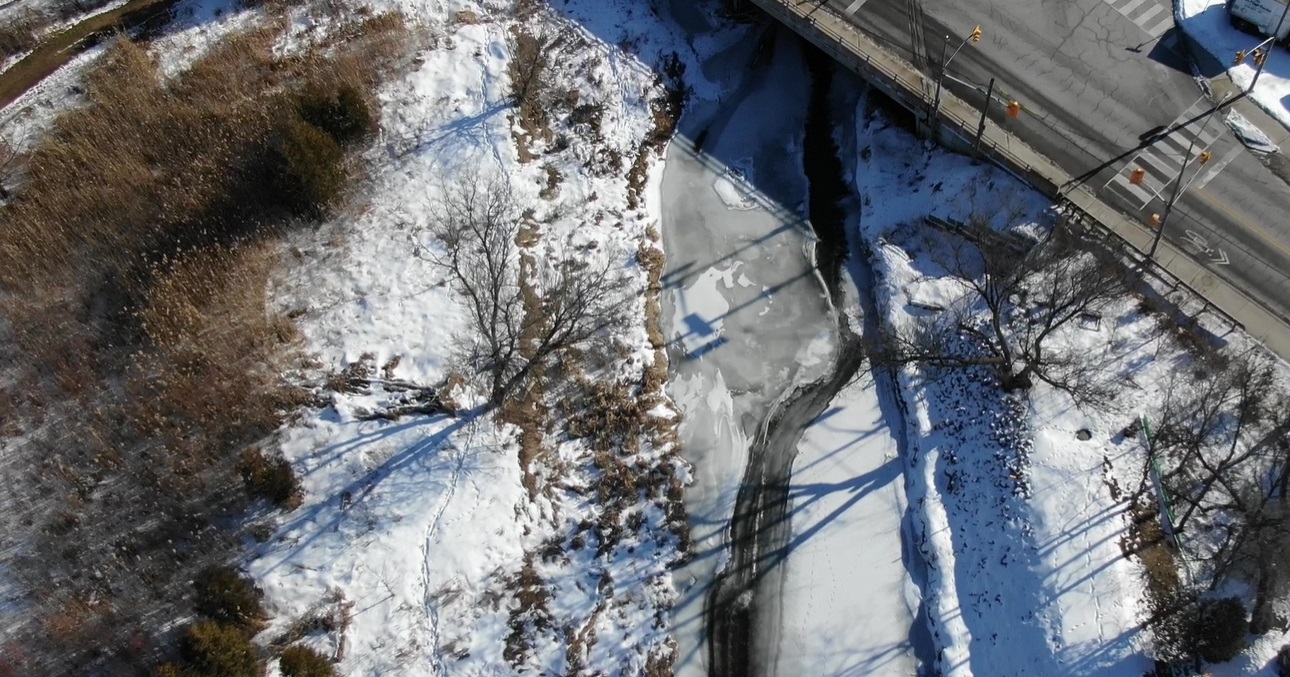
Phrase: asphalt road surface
(1093, 77)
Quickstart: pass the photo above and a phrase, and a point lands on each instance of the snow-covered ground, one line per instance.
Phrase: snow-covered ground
(424, 528)
(846, 603)
(1207, 23)
(424, 531)
(1019, 529)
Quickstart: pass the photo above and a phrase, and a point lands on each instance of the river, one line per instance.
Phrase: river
(757, 351)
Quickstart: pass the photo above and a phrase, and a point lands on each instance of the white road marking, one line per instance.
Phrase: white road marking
(1194, 239)
(1213, 255)
(854, 6)
(1126, 7)
(1212, 171)
(1163, 159)
(1148, 19)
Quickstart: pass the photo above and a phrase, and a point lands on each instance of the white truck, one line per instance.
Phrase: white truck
(1261, 17)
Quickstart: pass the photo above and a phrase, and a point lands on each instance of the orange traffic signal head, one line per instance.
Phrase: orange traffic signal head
(1014, 109)
(1260, 56)
(1137, 175)
(1155, 222)
(1204, 157)
(976, 35)
(1240, 56)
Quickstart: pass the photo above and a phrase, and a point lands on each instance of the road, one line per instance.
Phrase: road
(1092, 80)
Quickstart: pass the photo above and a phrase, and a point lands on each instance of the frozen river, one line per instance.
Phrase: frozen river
(748, 320)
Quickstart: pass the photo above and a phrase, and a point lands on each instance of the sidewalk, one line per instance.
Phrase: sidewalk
(901, 81)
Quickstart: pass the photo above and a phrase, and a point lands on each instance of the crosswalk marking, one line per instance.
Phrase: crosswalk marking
(1216, 167)
(1164, 158)
(854, 6)
(1127, 7)
(1150, 15)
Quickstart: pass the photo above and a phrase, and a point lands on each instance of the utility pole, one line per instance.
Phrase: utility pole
(1260, 55)
(980, 129)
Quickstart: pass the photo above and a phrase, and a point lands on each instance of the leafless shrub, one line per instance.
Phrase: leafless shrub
(134, 257)
(1220, 440)
(531, 46)
(21, 33)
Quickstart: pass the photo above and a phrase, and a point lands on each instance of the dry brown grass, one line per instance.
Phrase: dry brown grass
(134, 260)
(1146, 540)
(666, 110)
(532, 596)
(652, 261)
(528, 412)
(529, 70)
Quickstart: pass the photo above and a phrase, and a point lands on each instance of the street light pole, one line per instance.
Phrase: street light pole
(940, 76)
(980, 130)
(974, 36)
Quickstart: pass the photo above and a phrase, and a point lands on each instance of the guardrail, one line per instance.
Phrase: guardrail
(912, 90)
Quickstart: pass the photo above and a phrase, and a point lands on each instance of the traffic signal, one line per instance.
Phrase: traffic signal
(1155, 222)
(1014, 109)
(976, 35)
(1259, 57)
(1137, 175)
(1204, 157)
(1240, 56)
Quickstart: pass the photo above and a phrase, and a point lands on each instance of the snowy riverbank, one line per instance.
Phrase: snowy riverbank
(1025, 576)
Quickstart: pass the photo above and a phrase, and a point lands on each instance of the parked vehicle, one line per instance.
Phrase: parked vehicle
(1260, 17)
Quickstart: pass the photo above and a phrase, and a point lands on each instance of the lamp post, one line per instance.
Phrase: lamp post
(973, 37)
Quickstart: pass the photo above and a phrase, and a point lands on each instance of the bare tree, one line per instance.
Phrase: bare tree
(1208, 430)
(1020, 294)
(1221, 438)
(525, 312)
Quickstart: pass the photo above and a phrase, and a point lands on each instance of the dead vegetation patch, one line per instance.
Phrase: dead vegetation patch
(531, 121)
(22, 32)
(531, 614)
(667, 109)
(134, 259)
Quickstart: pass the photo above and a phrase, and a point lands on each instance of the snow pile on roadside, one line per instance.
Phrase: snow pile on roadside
(443, 552)
(1207, 23)
(1014, 515)
(1249, 133)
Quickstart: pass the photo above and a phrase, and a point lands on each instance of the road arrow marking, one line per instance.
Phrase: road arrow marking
(1222, 258)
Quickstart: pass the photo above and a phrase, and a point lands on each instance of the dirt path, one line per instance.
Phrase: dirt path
(62, 47)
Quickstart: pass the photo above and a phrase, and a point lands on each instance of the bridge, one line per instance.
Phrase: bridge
(1090, 93)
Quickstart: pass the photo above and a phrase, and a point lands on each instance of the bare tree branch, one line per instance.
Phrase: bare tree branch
(1019, 298)
(476, 224)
